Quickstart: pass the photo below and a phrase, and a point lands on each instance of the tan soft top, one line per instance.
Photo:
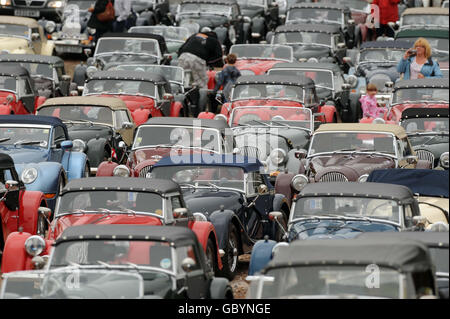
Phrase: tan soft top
(111, 102)
(426, 10)
(30, 22)
(397, 130)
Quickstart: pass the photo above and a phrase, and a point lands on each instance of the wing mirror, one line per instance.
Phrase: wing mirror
(12, 185)
(341, 45)
(180, 212)
(87, 52)
(80, 90)
(262, 189)
(122, 145)
(35, 36)
(275, 215)
(419, 221)
(66, 145)
(301, 154)
(66, 78)
(236, 150)
(188, 264)
(168, 97)
(127, 125)
(389, 84)
(45, 212)
(346, 86)
(351, 22)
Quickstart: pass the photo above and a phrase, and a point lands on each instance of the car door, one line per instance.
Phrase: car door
(26, 94)
(196, 281)
(255, 216)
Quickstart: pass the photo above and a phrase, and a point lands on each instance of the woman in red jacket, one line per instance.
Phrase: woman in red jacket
(388, 13)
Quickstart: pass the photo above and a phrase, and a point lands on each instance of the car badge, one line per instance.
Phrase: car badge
(28, 2)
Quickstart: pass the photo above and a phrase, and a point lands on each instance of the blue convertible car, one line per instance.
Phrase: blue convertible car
(40, 148)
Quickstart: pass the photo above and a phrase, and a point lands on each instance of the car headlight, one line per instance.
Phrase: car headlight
(29, 175)
(5, 2)
(55, 4)
(352, 80)
(299, 182)
(363, 178)
(444, 159)
(50, 26)
(91, 31)
(312, 60)
(34, 245)
(200, 217)
(121, 171)
(90, 70)
(220, 117)
(277, 156)
(78, 146)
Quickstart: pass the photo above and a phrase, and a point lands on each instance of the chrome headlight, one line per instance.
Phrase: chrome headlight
(200, 217)
(78, 146)
(29, 175)
(363, 178)
(91, 31)
(50, 26)
(220, 117)
(121, 171)
(55, 4)
(277, 156)
(444, 159)
(90, 70)
(352, 80)
(299, 182)
(312, 60)
(34, 245)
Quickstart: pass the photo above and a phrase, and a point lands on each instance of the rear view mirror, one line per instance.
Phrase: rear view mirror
(66, 145)
(180, 213)
(35, 36)
(188, 264)
(12, 185)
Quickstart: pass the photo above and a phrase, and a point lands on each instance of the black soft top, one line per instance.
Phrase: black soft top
(127, 75)
(434, 239)
(424, 113)
(176, 236)
(386, 45)
(422, 83)
(34, 119)
(302, 27)
(275, 79)
(32, 58)
(320, 5)
(219, 125)
(6, 161)
(379, 249)
(13, 70)
(308, 65)
(159, 38)
(355, 189)
(160, 186)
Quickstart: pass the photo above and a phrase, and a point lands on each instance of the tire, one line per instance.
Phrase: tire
(211, 255)
(230, 260)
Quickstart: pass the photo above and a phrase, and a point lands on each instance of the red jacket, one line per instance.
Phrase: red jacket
(388, 10)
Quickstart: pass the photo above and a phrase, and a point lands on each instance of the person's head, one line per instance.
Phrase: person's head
(423, 47)
(371, 89)
(231, 58)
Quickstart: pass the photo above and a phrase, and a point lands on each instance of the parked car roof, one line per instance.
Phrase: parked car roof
(426, 10)
(32, 58)
(157, 37)
(154, 185)
(317, 5)
(422, 83)
(379, 249)
(418, 112)
(424, 33)
(176, 236)
(111, 102)
(355, 189)
(6, 161)
(13, 70)
(308, 65)
(127, 75)
(33, 119)
(397, 130)
(430, 238)
(210, 1)
(219, 125)
(299, 27)
(385, 45)
(275, 79)
(425, 182)
(29, 22)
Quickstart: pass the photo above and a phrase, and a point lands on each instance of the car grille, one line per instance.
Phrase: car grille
(333, 177)
(426, 156)
(143, 172)
(32, 4)
(250, 151)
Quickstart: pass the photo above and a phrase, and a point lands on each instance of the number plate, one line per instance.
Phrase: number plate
(26, 13)
(70, 49)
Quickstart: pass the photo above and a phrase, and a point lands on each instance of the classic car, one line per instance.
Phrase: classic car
(312, 42)
(420, 93)
(262, 15)
(274, 90)
(23, 36)
(140, 91)
(333, 87)
(17, 92)
(47, 72)
(122, 262)
(18, 207)
(337, 210)
(222, 16)
(72, 35)
(431, 17)
(107, 200)
(273, 134)
(343, 269)
(429, 186)
(327, 13)
(160, 137)
(445, 4)
(98, 126)
(232, 193)
(41, 150)
(428, 131)
(118, 48)
(51, 9)
(151, 12)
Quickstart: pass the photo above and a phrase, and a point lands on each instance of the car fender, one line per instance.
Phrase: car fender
(39, 101)
(206, 115)
(95, 150)
(47, 180)
(283, 186)
(204, 231)
(221, 221)
(28, 210)
(175, 109)
(261, 255)
(218, 288)
(106, 168)
(14, 255)
(77, 162)
(278, 201)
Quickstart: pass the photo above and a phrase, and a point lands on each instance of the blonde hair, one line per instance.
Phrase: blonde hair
(371, 87)
(424, 42)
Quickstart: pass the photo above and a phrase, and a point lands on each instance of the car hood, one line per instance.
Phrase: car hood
(87, 132)
(352, 166)
(14, 45)
(207, 201)
(25, 154)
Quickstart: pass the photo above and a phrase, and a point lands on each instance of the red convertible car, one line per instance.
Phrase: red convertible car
(145, 94)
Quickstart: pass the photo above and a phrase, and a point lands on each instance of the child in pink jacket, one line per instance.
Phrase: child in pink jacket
(369, 103)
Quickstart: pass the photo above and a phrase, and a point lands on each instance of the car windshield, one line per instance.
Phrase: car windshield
(304, 38)
(180, 136)
(381, 55)
(169, 33)
(7, 83)
(81, 4)
(352, 142)
(251, 3)
(321, 78)
(361, 5)
(357, 207)
(267, 91)
(14, 30)
(273, 116)
(127, 46)
(205, 8)
(171, 73)
(269, 52)
(428, 124)
(348, 280)
(441, 44)
(24, 135)
(107, 202)
(314, 15)
(95, 114)
(202, 176)
(35, 69)
(425, 19)
(439, 256)
(105, 86)
(420, 94)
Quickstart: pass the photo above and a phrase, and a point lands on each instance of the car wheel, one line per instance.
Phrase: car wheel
(211, 255)
(230, 260)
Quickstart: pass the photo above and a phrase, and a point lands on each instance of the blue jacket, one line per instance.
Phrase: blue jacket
(430, 69)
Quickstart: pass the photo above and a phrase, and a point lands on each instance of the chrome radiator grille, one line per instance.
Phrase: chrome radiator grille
(333, 177)
(250, 151)
(426, 156)
(143, 172)
(31, 4)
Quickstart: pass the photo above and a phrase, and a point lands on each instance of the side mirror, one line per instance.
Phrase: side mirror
(168, 97)
(346, 86)
(87, 52)
(347, 60)
(389, 84)
(188, 264)
(45, 212)
(247, 19)
(275, 215)
(301, 154)
(236, 150)
(180, 212)
(341, 45)
(73, 93)
(122, 145)
(35, 36)
(80, 90)
(11, 185)
(66, 78)
(127, 125)
(419, 221)
(351, 22)
(262, 189)
(66, 145)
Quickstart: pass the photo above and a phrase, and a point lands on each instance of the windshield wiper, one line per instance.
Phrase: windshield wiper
(359, 217)
(4, 139)
(23, 142)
